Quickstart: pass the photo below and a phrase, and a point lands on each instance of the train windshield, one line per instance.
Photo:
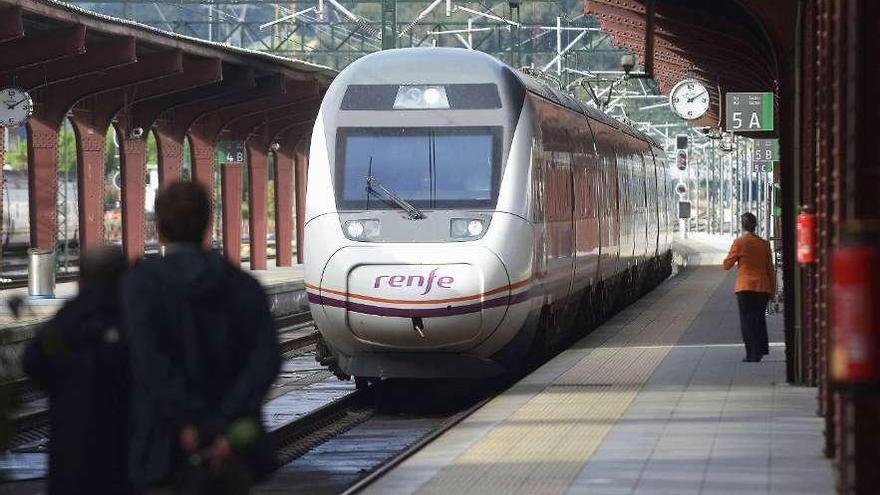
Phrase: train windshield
(428, 167)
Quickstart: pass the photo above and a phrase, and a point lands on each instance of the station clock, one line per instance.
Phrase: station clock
(689, 99)
(16, 106)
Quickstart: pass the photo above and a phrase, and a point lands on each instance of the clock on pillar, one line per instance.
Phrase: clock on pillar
(16, 106)
(689, 99)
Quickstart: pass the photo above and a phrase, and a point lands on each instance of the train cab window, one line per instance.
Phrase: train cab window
(437, 167)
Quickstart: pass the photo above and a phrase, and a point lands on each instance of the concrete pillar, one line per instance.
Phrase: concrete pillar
(302, 174)
(90, 181)
(283, 208)
(258, 180)
(133, 169)
(42, 142)
(169, 151)
(231, 190)
(202, 160)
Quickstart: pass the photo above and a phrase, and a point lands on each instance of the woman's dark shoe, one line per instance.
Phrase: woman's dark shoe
(751, 360)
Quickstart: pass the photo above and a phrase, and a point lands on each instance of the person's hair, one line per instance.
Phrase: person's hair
(102, 266)
(749, 222)
(183, 210)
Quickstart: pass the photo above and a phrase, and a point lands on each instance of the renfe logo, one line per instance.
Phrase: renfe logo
(444, 282)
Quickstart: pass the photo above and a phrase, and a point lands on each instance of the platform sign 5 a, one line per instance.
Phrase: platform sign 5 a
(765, 150)
(748, 112)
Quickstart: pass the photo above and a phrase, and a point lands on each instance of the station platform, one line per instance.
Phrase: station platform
(283, 285)
(41, 309)
(654, 401)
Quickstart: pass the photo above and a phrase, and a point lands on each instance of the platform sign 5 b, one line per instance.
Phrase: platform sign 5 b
(765, 150)
(748, 112)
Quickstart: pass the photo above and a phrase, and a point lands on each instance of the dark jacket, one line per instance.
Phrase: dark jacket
(204, 353)
(81, 359)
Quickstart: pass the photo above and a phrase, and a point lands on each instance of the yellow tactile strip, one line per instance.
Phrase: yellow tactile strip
(542, 445)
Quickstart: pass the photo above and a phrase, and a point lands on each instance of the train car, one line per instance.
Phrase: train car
(15, 220)
(463, 218)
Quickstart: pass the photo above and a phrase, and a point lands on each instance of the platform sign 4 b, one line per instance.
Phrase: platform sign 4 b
(230, 152)
(748, 112)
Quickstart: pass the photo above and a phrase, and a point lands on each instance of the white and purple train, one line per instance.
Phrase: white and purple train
(462, 217)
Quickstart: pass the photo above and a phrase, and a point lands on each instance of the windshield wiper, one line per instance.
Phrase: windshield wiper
(376, 187)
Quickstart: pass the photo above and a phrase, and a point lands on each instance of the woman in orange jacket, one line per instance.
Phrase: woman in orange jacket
(755, 283)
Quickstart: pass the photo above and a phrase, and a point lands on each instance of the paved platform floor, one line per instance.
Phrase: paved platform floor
(655, 401)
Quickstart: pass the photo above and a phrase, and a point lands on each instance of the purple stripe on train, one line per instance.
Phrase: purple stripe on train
(418, 312)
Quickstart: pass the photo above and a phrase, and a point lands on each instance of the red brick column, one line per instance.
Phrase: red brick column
(202, 159)
(283, 208)
(231, 190)
(302, 175)
(258, 180)
(90, 182)
(42, 181)
(2, 163)
(133, 169)
(169, 153)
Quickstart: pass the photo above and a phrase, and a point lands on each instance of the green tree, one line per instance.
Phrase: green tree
(16, 157)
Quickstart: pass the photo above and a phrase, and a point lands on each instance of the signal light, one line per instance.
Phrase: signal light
(681, 160)
(682, 189)
(684, 209)
(681, 142)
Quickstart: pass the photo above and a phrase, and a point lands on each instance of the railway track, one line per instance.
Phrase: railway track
(347, 444)
(31, 424)
(392, 419)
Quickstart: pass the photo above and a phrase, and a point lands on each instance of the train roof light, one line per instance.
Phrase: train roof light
(421, 97)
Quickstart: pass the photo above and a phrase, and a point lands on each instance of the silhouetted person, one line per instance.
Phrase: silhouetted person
(204, 354)
(81, 358)
(755, 283)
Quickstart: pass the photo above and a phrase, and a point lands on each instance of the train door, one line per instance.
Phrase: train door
(627, 215)
(557, 200)
(586, 218)
(663, 219)
(608, 200)
(653, 202)
(640, 200)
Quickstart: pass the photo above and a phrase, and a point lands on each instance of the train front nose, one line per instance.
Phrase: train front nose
(450, 299)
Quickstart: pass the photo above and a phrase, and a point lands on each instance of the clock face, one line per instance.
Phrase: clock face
(689, 99)
(15, 107)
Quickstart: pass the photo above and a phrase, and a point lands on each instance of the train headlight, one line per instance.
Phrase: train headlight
(418, 97)
(466, 227)
(362, 229)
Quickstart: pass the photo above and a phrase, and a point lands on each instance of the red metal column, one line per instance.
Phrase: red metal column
(42, 181)
(302, 174)
(283, 207)
(231, 189)
(2, 162)
(90, 181)
(169, 153)
(258, 179)
(133, 170)
(809, 332)
(202, 160)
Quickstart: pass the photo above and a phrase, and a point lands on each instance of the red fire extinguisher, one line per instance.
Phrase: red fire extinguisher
(806, 236)
(855, 353)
